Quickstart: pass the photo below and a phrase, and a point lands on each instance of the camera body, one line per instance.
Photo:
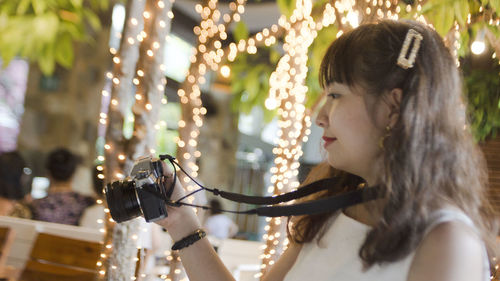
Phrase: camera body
(130, 198)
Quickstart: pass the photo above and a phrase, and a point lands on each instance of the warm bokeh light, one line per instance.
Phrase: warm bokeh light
(478, 47)
(225, 71)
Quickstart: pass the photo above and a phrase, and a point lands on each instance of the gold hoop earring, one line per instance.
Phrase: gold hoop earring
(382, 138)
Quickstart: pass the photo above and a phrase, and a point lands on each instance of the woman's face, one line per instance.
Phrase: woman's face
(350, 134)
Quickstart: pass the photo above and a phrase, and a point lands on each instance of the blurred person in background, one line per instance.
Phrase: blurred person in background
(14, 178)
(93, 216)
(218, 224)
(62, 204)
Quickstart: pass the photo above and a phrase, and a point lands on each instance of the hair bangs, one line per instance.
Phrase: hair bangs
(338, 64)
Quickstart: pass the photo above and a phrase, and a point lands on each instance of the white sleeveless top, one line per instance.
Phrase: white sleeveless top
(336, 256)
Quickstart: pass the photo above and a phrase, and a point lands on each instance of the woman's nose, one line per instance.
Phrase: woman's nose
(321, 119)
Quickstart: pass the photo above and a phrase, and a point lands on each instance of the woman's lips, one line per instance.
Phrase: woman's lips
(328, 141)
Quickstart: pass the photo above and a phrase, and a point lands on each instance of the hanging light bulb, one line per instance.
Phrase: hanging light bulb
(479, 46)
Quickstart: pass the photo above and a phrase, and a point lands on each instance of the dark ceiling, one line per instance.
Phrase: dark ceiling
(258, 14)
(249, 1)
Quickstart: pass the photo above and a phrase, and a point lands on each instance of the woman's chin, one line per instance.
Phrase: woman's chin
(334, 163)
(338, 165)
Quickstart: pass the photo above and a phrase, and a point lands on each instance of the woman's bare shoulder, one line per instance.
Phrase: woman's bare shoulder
(450, 251)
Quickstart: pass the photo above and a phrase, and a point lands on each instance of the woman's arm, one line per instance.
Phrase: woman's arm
(199, 259)
(450, 252)
(278, 271)
(202, 263)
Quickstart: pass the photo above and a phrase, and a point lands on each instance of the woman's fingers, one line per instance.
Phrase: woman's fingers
(175, 191)
(167, 169)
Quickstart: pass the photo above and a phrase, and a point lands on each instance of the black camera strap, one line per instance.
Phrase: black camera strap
(285, 197)
(329, 204)
(324, 205)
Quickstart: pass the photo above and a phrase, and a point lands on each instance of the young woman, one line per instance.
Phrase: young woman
(14, 187)
(394, 117)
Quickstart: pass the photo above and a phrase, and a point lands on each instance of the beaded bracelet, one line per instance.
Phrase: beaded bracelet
(189, 240)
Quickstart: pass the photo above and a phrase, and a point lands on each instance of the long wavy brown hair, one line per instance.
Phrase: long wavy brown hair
(430, 158)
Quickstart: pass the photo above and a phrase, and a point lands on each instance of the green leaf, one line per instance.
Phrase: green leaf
(483, 92)
(274, 56)
(92, 18)
(43, 31)
(318, 8)
(8, 7)
(45, 27)
(428, 7)
(30, 47)
(7, 53)
(64, 50)
(269, 115)
(238, 85)
(484, 2)
(77, 3)
(443, 20)
(23, 6)
(39, 6)
(495, 4)
(105, 4)
(464, 43)
(101, 4)
(76, 31)
(286, 7)
(240, 31)
(4, 18)
(461, 11)
(46, 61)
(252, 83)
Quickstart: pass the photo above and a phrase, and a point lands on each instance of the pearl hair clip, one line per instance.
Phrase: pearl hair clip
(404, 60)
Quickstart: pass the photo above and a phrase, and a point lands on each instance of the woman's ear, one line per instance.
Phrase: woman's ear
(394, 102)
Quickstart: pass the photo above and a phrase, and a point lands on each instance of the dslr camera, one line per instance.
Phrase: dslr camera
(135, 195)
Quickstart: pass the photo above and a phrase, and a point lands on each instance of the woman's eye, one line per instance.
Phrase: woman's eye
(334, 96)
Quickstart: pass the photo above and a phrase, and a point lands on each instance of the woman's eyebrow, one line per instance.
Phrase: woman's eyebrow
(334, 91)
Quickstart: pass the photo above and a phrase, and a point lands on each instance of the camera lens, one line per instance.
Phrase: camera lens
(122, 201)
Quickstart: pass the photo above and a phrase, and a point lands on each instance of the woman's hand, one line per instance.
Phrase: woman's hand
(180, 221)
(199, 259)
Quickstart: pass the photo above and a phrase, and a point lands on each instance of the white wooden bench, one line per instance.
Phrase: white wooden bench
(240, 257)
(27, 230)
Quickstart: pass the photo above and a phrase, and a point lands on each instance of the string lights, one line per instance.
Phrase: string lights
(146, 25)
(112, 121)
(207, 55)
(288, 94)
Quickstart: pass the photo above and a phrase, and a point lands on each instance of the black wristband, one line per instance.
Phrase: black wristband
(189, 240)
